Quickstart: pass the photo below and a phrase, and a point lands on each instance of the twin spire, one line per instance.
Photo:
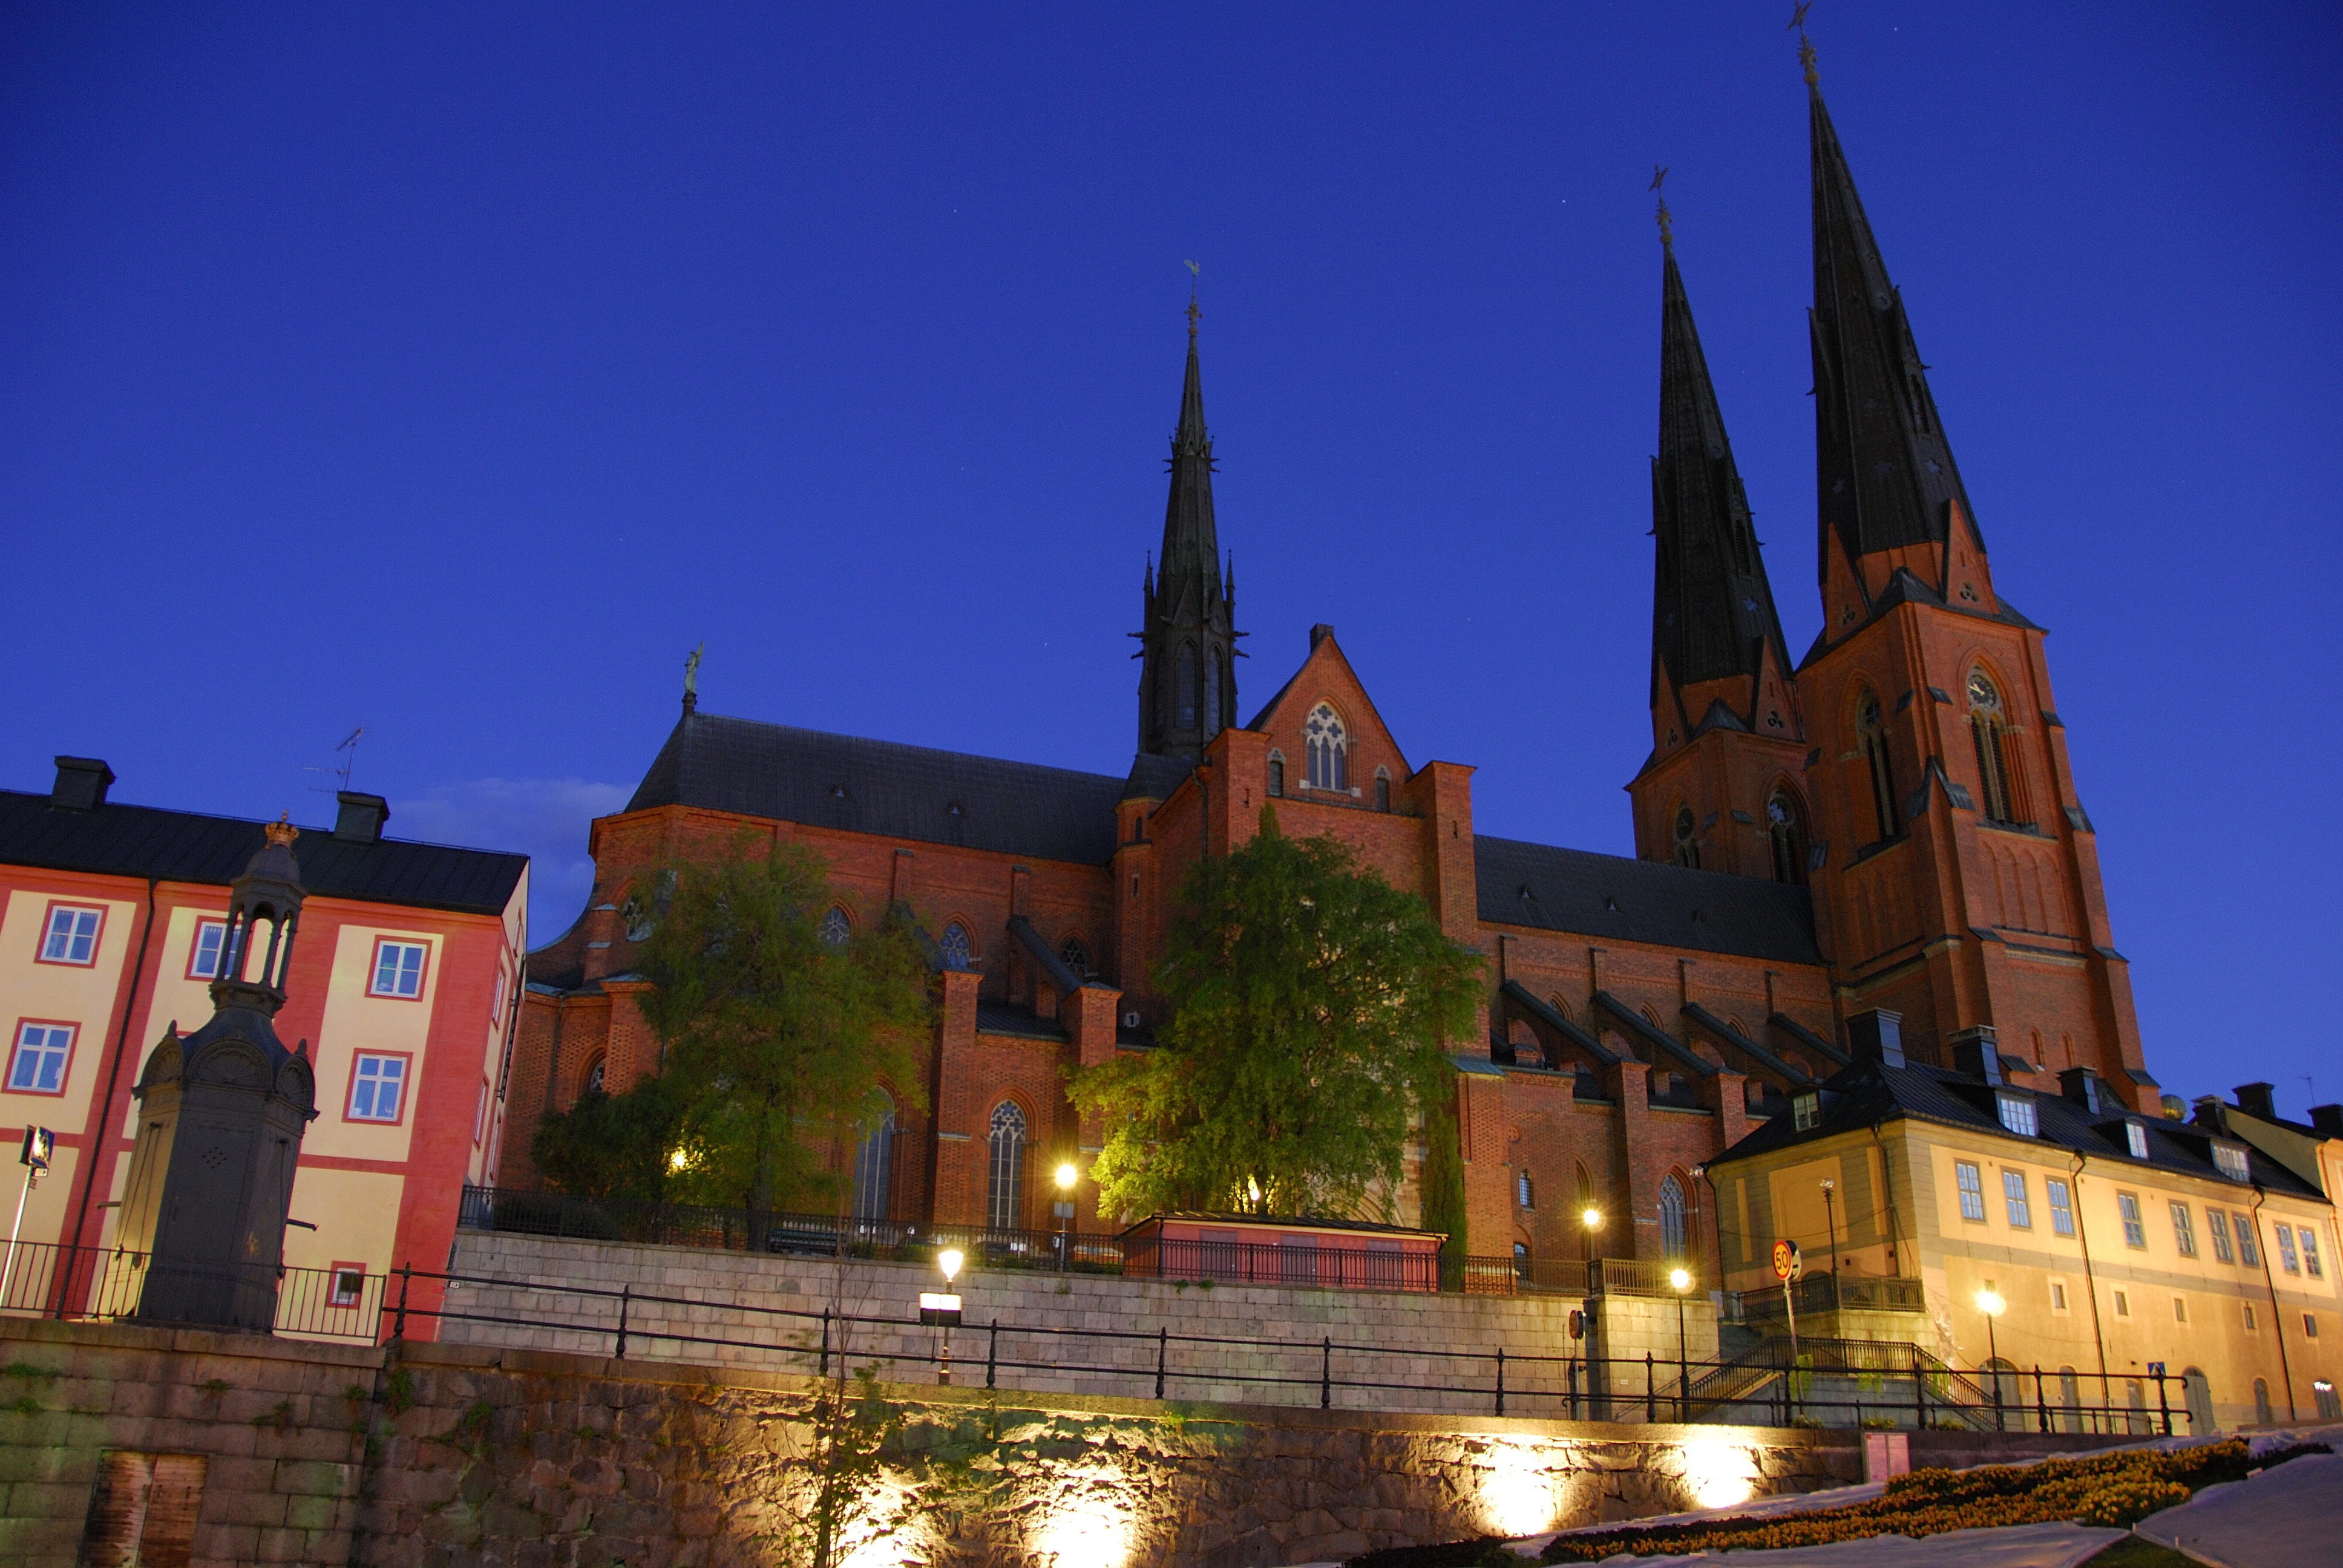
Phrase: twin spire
(1886, 480)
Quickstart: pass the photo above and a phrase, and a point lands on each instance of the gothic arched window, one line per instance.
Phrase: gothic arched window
(1183, 688)
(836, 928)
(1872, 741)
(1071, 954)
(1276, 775)
(1382, 791)
(874, 1162)
(1989, 734)
(596, 1075)
(953, 946)
(1687, 848)
(1212, 695)
(1330, 746)
(1783, 827)
(1671, 1218)
(1004, 1205)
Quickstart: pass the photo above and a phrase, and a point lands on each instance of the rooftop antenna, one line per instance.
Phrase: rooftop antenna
(349, 764)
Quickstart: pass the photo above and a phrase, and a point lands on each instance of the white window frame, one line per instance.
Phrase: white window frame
(2061, 1199)
(2135, 1221)
(2135, 1140)
(2184, 1228)
(2232, 1163)
(2018, 1115)
(57, 1040)
(1969, 1178)
(1807, 1113)
(400, 1081)
(2014, 1200)
(215, 927)
(63, 940)
(396, 969)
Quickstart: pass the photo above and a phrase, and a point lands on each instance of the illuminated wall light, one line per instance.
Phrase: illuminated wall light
(879, 1535)
(1088, 1524)
(1720, 1474)
(1519, 1490)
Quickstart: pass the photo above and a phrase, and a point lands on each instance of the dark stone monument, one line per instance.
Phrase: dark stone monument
(220, 1119)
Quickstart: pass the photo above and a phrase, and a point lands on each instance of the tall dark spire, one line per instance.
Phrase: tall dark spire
(1713, 610)
(1188, 685)
(1885, 473)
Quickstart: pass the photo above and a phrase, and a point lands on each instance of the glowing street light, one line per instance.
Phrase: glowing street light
(942, 1310)
(1067, 1177)
(1990, 1303)
(1590, 1220)
(1681, 1279)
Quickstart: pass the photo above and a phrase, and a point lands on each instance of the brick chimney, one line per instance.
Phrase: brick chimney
(82, 783)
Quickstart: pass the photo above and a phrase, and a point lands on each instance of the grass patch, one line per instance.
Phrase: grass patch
(2136, 1552)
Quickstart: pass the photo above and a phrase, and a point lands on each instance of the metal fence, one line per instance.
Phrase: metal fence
(1829, 1292)
(1363, 1267)
(43, 1278)
(1827, 1382)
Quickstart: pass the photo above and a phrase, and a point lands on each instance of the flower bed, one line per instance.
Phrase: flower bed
(2112, 1489)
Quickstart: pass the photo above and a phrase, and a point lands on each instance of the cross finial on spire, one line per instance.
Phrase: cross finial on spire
(1806, 47)
(1667, 230)
(1195, 314)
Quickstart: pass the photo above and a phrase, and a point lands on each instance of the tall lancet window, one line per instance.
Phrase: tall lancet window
(1184, 685)
(1997, 774)
(1872, 737)
(1688, 847)
(1004, 1208)
(1212, 695)
(1782, 825)
(874, 1163)
(1673, 1231)
(1329, 744)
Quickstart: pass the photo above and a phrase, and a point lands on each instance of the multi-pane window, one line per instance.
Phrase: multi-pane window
(1276, 777)
(1329, 747)
(72, 935)
(2000, 781)
(2135, 1228)
(2019, 1115)
(38, 1065)
(1005, 1188)
(2310, 1253)
(1524, 1192)
(2217, 1230)
(836, 928)
(1806, 1114)
(953, 946)
(2286, 1258)
(2248, 1254)
(2135, 1140)
(1072, 953)
(2184, 1231)
(203, 958)
(2062, 1206)
(348, 1285)
(397, 969)
(2013, 1196)
(2230, 1160)
(378, 1088)
(874, 1165)
(1972, 1185)
(1671, 1218)
(1382, 791)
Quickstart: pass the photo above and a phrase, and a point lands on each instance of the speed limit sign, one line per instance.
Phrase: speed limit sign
(1787, 1265)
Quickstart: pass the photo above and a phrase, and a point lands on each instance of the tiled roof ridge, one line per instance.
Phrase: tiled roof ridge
(309, 833)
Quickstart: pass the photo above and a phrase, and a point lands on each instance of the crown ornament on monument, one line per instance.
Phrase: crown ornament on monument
(281, 831)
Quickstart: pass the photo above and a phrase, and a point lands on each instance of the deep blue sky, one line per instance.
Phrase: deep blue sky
(452, 372)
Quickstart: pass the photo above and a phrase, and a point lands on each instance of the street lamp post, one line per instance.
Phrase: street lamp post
(1992, 1306)
(1067, 1177)
(1830, 1224)
(949, 1260)
(1682, 1279)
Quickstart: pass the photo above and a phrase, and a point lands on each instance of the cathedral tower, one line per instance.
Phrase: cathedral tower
(1959, 883)
(1188, 683)
(1723, 788)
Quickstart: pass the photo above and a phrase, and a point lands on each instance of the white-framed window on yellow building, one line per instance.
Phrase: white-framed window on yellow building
(2310, 1253)
(2062, 1205)
(2123, 1305)
(2249, 1253)
(204, 954)
(42, 1050)
(1971, 1182)
(2184, 1231)
(2018, 1115)
(2013, 1197)
(2286, 1258)
(2135, 1140)
(2230, 1160)
(2135, 1228)
(2058, 1298)
(2217, 1228)
(70, 935)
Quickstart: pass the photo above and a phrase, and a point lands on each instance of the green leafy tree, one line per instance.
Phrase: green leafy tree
(1311, 1000)
(613, 1147)
(779, 1039)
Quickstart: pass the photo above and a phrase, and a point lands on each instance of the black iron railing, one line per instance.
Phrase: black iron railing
(1827, 1292)
(1836, 1382)
(44, 1278)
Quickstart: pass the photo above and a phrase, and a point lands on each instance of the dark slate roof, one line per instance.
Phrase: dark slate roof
(880, 788)
(1747, 1047)
(1870, 1092)
(1153, 778)
(1576, 891)
(123, 841)
(1021, 1023)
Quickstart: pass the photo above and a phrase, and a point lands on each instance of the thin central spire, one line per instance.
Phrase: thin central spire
(1188, 684)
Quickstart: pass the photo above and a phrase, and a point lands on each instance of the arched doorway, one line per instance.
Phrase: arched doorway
(2201, 1400)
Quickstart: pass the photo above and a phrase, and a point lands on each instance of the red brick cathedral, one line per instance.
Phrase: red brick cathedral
(1885, 831)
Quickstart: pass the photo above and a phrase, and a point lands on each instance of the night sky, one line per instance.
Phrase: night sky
(453, 371)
